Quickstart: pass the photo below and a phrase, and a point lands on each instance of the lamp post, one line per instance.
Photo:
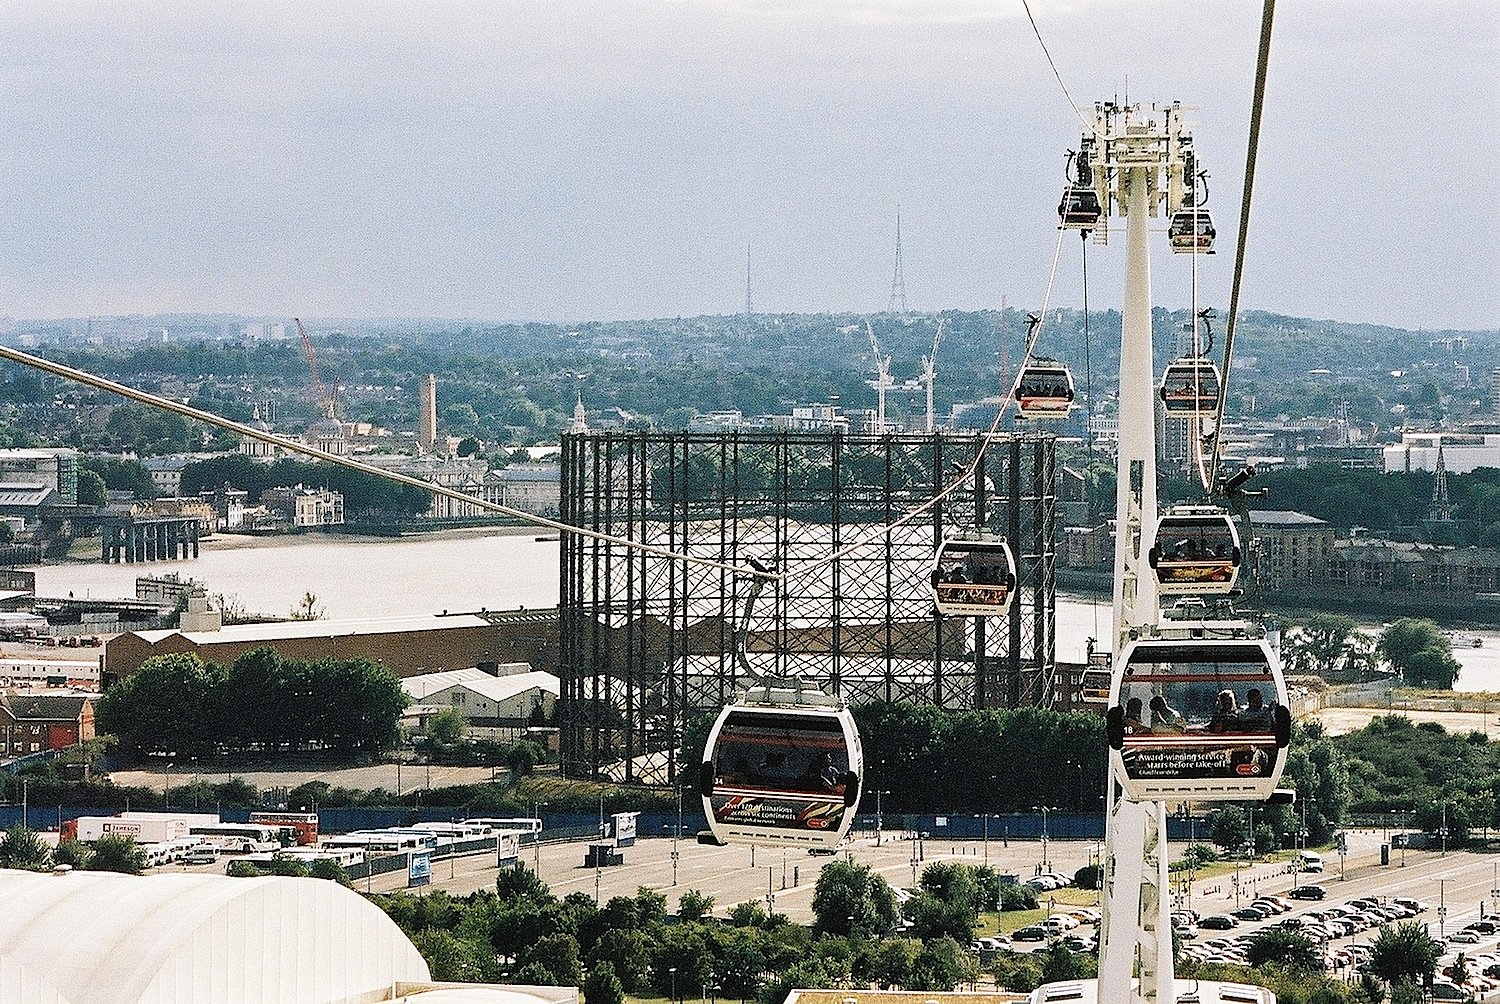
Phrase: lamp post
(1044, 809)
(1443, 831)
(676, 832)
(25, 781)
(1442, 906)
(986, 838)
(536, 838)
(673, 971)
(879, 819)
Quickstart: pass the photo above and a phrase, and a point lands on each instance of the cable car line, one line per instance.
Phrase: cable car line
(1263, 59)
(1046, 52)
(294, 446)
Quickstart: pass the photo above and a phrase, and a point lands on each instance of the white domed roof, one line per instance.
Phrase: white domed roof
(97, 937)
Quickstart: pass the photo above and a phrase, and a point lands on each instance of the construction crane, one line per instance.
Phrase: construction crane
(882, 381)
(326, 402)
(929, 369)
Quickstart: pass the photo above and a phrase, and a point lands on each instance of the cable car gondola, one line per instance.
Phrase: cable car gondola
(783, 766)
(973, 576)
(1079, 208)
(1045, 390)
(1196, 551)
(1191, 230)
(1190, 385)
(1198, 716)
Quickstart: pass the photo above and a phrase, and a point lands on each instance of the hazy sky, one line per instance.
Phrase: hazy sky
(573, 160)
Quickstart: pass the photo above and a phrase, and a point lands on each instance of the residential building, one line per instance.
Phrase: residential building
(302, 506)
(1292, 549)
(166, 472)
(533, 488)
(36, 723)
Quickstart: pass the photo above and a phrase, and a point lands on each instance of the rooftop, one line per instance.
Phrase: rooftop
(280, 630)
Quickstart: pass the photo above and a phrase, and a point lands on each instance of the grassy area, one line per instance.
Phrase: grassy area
(1011, 920)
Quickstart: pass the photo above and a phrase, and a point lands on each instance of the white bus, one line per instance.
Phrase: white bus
(532, 826)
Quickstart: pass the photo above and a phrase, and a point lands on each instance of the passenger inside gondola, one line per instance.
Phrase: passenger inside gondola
(1226, 716)
(1255, 716)
(1133, 722)
(1164, 718)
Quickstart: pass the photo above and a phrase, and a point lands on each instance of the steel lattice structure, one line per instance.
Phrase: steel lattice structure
(648, 643)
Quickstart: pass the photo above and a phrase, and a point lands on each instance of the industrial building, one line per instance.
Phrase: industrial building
(510, 698)
(407, 646)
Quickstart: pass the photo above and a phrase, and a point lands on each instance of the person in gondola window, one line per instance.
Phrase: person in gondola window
(1133, 721)
(1255, 714)
(828, 775)
(1226, 716)
(1163, 717)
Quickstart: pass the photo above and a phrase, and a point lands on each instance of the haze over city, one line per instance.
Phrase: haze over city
(593, 160)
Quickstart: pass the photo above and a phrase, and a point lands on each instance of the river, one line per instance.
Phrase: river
(356, 577)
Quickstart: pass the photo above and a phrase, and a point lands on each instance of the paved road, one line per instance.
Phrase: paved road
(728, 874)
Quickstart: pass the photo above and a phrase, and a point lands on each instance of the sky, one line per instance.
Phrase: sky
(606, 160)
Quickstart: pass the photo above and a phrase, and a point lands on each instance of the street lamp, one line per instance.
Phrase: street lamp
(1044, 809)
(676, 832)
(25, 781)
(673, 971)
(1443, 830)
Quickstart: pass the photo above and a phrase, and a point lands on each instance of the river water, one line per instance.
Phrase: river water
(371, 578)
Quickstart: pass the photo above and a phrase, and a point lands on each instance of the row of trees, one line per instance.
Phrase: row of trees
(21, 848)
(262, 702)
(1332, 646)
(363, 493)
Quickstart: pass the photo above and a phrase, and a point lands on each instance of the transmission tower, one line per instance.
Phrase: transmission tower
(898, 279)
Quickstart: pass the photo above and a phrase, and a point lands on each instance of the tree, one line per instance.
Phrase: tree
(1018, 897)
(241, 868)
(327, 868)
(449, 957)
(852, 897)
(307, 608)
(521, 883)
(21, 848)
(1284, 948)
(942, 965)
(694, 905)
(91, 488)
(446, 728)
(289, 868)
(1408, 636)
(1432, 668)
(1317, 645)
(748, 914)
(1404, 951)
(557, 956)
(628, 955)
(74, 854)
(603, 986)
(117, 854)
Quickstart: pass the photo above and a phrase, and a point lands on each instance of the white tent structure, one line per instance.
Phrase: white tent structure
(97, 937)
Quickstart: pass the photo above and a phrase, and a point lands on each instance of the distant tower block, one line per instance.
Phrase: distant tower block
(1495, 390)
(427, 417)
(749, 304)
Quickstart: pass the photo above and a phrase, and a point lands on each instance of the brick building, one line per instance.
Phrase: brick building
(34, 723)
(1292, 549)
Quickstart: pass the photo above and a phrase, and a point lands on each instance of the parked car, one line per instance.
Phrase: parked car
(1218, 922)
(1308, 892)
(1032, 932)
(1465, 938)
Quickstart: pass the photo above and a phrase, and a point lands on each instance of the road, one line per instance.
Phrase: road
(1458, 880)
